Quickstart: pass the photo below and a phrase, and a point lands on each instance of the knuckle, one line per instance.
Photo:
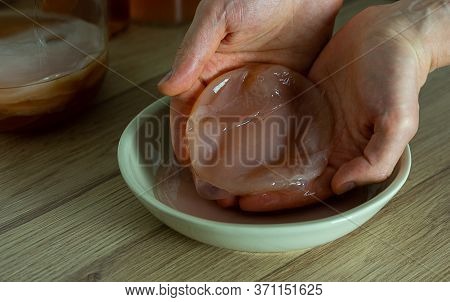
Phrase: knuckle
(203, 6)
(406, 123)
(234, 12)
(209, 9)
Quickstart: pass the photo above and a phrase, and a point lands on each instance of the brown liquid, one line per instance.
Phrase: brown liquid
(44, 79)
(177, 190)
(118, 15)
(163, 11)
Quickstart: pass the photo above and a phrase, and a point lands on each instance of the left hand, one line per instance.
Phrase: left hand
(371, 71)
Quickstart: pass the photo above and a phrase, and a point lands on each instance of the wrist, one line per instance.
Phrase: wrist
(430, 22)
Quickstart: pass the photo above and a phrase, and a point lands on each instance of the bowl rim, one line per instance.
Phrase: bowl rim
(144, 197)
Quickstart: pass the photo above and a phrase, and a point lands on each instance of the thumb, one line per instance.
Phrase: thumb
(199, 44)
(391, 135)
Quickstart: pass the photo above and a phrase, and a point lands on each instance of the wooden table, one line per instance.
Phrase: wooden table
(66, 214)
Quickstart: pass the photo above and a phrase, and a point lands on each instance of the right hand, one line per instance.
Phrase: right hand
(227, 34)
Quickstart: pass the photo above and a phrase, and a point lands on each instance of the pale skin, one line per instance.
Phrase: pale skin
(371, 71)
(227, 34)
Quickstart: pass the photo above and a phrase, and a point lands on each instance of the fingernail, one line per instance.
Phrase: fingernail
(165, 78)
(347, 187)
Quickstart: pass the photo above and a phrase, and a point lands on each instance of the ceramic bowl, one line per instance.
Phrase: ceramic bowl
(146, 142)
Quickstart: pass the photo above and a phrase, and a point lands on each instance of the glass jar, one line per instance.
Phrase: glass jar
(163, 11)
(53, 56)
(119, 15)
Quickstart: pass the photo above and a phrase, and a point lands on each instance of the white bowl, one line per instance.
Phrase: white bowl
(206, 222)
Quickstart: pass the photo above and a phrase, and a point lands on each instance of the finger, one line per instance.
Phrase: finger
(315, 191)
(391, 135)
(180, 109)
(200, 43)
(179, 114)
(229, 202)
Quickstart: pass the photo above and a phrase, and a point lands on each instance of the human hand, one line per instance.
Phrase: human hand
(371, 71)
(228, 34)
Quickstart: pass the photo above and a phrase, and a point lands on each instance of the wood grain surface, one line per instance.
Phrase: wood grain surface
(67, 215)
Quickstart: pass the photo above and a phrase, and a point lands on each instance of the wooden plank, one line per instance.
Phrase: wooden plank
(435, 113)
(406, 241)
(77, 148)
(91, 146)
(139, 54)
(105, 234)
(169, 256)
(40, 172)
(65, 213)
(59, 242)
